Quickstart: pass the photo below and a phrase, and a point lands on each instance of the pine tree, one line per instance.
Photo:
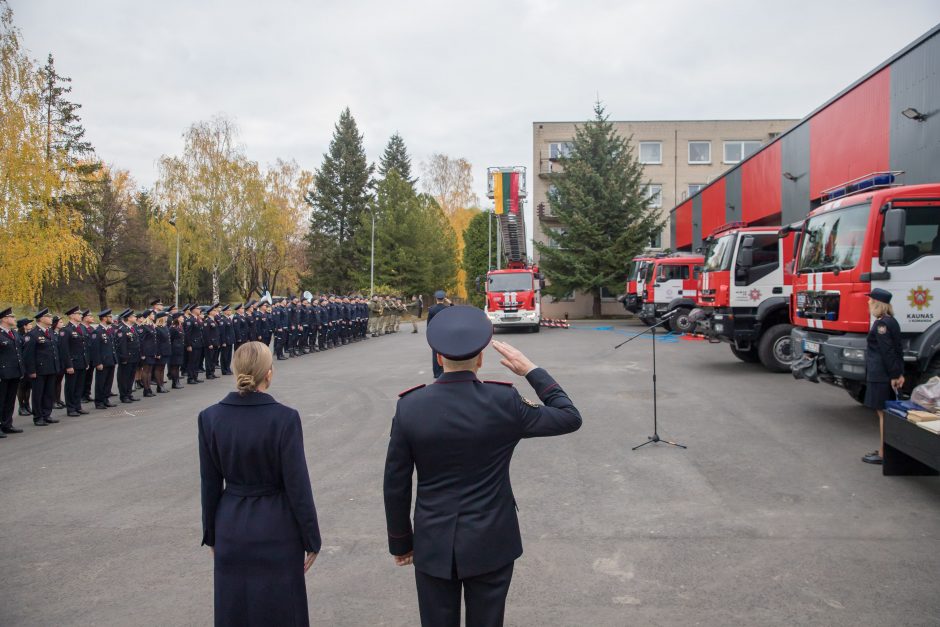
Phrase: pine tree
(476, 254)
(396, 158)
(338, 200)
(605, 214)
(64, 131)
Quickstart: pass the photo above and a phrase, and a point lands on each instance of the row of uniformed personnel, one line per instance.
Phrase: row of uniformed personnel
(146, 348)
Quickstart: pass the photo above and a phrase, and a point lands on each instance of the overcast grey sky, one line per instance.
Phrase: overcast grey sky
(466, 79)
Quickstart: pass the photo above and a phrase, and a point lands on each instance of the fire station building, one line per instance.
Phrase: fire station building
(889, 120)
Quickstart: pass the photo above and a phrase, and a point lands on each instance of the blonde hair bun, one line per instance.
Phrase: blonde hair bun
(252, 362)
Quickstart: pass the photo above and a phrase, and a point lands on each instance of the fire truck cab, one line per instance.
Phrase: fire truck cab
(868, 234)
(744, 293)
(632, 298)
(671, 284)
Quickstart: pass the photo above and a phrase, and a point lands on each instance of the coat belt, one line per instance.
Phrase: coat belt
(257, 489)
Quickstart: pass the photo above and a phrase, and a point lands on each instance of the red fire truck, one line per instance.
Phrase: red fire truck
(867, 234)
(512, 294)
(744, 293)
(671, 284)
(632, 298)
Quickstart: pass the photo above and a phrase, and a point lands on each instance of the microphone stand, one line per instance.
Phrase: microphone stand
(653, 439)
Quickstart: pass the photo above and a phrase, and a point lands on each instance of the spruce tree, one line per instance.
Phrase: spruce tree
(396, 158)
(476, 253)
(606, 216)
(64, 131)
(338, 200)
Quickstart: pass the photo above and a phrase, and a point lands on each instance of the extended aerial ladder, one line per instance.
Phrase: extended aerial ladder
(506, 186)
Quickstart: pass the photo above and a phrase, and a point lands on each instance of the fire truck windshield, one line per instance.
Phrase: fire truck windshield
(511, 282)
(718, 254)
(833, 240)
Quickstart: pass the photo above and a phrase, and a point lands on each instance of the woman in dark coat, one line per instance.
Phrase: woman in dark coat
(164, 350)
(148, 352)
(177, 349)
(884, 362)
(257, 505)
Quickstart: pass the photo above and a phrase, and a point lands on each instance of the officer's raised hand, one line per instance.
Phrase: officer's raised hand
(513, 358)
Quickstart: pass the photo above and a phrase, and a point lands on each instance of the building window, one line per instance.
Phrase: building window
(700, 152)
(737, 151)
(559, 150)
(551, 241)
(695, 188)
(651, 152)
(656, 240)
(654, 195)
(606, 294)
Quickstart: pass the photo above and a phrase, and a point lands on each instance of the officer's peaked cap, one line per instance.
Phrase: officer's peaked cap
(880, 295)
(41, 313)
(460, 332)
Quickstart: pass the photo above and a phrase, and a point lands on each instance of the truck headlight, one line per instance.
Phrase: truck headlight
(853, 354)
(719, 328)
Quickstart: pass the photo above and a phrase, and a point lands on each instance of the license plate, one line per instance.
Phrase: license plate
(810, 347)
(511, 318)
(800, 299)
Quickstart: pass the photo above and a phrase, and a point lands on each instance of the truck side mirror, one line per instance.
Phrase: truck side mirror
(892, 255)
(746, 254)
(894, 227)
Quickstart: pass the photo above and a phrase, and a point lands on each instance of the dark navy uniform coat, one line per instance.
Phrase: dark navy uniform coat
(177, 345)
(103, 347)
(257, 509)
(883, 355)
(460, 433)
(40, 353)
(11, 356)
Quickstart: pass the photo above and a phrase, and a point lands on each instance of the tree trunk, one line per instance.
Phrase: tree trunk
(597, 304)
(102, 296)
(215, 284)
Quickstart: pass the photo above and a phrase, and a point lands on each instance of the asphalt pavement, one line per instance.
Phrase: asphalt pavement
(768, 518)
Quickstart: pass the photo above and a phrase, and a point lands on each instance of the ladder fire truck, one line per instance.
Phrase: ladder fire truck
(744, 293)
(512, 293)
(867, 234)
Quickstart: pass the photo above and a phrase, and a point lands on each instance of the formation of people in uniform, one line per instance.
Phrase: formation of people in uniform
(71, 362)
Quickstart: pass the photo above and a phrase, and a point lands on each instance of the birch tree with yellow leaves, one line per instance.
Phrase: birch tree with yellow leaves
(41, 240)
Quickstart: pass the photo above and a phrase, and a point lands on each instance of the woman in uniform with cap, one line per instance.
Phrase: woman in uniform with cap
(258, 514)
(148, 351)
(884, 362)
(164, 350)
(177, 349)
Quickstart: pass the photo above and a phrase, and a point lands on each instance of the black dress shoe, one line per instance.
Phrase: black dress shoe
(58, 405)
(40, 423)
(873, 458)
(25, 412)
(282, 358)
(148, 393)
(100, 406)
(2, 435)
(161, 390)
(82, 411)
(11, 430)
(177, 386)
(52, 420)
(126, 400)
(72, 414)
(109, 404)
(87, 399)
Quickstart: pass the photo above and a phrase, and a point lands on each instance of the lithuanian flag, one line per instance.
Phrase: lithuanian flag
(506, 192)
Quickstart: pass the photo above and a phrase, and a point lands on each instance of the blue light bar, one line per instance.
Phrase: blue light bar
(868, 182)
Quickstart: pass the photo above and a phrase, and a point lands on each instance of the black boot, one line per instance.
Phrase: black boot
(161, 389)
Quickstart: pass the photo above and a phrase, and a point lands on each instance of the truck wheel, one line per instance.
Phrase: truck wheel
(856, 390)
(774, 348)
(749, 356)
(535, 328)
(680, 323)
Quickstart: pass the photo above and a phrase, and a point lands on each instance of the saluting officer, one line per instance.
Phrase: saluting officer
(461, 438)
(103, 359)
(41, 359)
(12, 369)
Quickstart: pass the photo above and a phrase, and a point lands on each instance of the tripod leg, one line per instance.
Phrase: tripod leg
(648, 441)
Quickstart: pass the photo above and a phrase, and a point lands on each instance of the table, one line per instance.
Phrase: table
(908, 449)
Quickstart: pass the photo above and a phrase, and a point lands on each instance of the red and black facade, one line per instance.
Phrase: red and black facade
(860, 131)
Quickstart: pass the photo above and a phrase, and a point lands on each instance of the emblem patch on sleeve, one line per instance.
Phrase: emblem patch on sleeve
(882, 329)
(528, 402)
